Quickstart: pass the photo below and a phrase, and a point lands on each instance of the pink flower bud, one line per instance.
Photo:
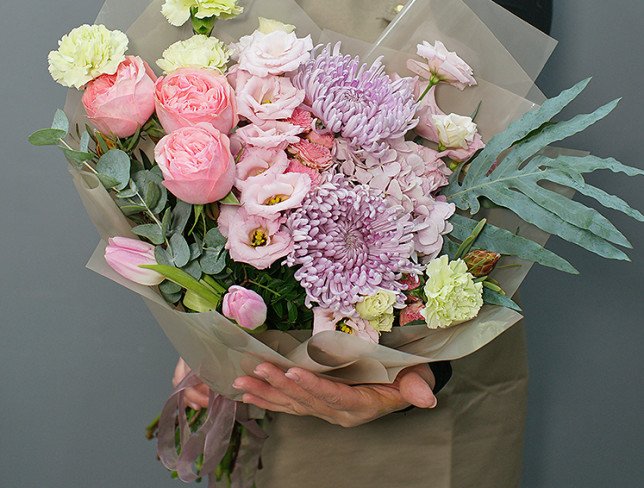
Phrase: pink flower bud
(481, 263)
(411, 313)
(125, 256)
(245, 307)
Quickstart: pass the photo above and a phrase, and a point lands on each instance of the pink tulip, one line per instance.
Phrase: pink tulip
(245, 307)
(189, 96)
(125, 256)
(119, 104)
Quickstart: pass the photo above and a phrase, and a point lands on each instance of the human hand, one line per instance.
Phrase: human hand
(300, 392)
(196, 396)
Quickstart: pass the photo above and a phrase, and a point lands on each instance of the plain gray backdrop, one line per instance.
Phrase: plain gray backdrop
(84, 367)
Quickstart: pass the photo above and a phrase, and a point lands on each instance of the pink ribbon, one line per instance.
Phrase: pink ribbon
(211, 439)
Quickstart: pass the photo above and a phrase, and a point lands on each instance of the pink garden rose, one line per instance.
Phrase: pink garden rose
(441, 64)
(256, 161)
(275, 53)
(120, 103)
(189, 96)
(267, 196)
(328, 320)
(266, 98)
(311, 154)
(196, 163)
(252, 239)
(270, 135)
(245, 307)
(125, 255)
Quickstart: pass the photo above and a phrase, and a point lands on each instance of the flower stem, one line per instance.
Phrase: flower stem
(433, 81)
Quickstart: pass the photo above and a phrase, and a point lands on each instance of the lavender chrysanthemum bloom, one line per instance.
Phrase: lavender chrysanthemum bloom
(349, 243)
(359, 103)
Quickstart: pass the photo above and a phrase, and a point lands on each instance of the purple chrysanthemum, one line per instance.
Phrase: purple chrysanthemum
(349, 243)
(359, 103)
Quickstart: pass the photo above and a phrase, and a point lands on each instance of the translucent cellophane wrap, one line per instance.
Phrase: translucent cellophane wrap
(218, 350)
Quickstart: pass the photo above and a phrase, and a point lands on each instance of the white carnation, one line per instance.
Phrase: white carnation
(197, 52)
(177, 11)
(86, 53)
(266, 26)
(454, 130)
(224, 9)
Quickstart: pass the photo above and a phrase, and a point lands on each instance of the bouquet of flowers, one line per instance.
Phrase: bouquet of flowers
(277, 199)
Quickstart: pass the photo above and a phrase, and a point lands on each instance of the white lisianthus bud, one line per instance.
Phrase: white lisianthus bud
(454, 131)
(375, 306)
(266, 26)
(197, 52)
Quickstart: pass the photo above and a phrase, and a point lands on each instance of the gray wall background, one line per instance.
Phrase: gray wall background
(78, 387)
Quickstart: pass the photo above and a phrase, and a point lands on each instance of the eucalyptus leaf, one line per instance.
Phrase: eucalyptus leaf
(115, 164)
(170, 287)
(195, 251)
(61, 122)
(494, 298)
(108, 182)
(47, 137)
(180, 215)
(78, 157)
(193, 269)
(129, 209)
(152, 194)
(162, 256)
(151, 232)
(214, 240)
(213, 262)
(165, 222)
(180, 250)
(84, 142)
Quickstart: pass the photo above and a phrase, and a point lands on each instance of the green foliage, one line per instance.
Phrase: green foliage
(114, 169)
(186, 281)
(516, 182)
(213, 256)
(152, 232)
(47, 137)
(492, 297)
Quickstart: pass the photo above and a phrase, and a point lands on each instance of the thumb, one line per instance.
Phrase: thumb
(415, 387)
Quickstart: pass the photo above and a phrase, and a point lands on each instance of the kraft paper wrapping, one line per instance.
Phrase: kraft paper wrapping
(474, 437)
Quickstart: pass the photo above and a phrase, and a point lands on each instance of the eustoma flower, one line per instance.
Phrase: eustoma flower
(190, 96)
(328, 320)
(254, 240)
(256, 161)
(266, 98)
(125, 256)
(196, 163)
(121, 103)
(87, 52)
(441, 65)
(245, 307)
(269, 195)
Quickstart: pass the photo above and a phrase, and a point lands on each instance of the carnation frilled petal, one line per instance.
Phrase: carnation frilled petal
(86, 53)
(197, 52)
(224, 9)
(177, 12)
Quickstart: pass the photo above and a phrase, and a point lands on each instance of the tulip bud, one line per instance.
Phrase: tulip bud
(480, 262)
(245, 307)
(125, 256)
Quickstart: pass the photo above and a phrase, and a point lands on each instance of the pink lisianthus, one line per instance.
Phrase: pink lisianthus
(245, 307)
(267, 196)
(442, 65)
(270, 135)
(196, 163)
(121, 103)
(428, 107)
(125, 256)
(256, 161)
(311, 154)
(297, 167)
(266, 98)
(189, 96)
(252, 239)
(464, 154)
(328, 320)
(412, 313)
(274, 53)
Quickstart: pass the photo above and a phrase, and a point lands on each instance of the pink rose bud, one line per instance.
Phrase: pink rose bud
(245, 307)
(196, 163)
(188, 97)
(125, 256)
(119, 104)
(480, 262)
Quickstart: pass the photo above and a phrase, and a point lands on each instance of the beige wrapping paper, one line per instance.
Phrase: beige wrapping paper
(474, 437)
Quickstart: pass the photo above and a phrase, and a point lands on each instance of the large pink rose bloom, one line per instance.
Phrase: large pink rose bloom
(119, 104)
(254, 240)
(196, 163)
(191, 96)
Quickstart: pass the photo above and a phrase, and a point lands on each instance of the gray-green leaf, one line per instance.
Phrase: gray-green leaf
(61, 122)
(115, 164)
(180, 250)
(47, 137)
(151, 232)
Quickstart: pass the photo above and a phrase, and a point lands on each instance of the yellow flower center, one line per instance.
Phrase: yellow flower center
(275, 199)
(342, 327)
(258, 237)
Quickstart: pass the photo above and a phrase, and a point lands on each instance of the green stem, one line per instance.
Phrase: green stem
(265, 288)
(433, 81)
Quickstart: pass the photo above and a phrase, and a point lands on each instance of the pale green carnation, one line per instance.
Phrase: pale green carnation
(375, 306)
(452, 295)
(196, 52)
(266, 26)
(178, 11)
(384, 323)
(86, 53)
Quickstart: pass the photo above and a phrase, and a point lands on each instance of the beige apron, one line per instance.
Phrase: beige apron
(474, 438)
